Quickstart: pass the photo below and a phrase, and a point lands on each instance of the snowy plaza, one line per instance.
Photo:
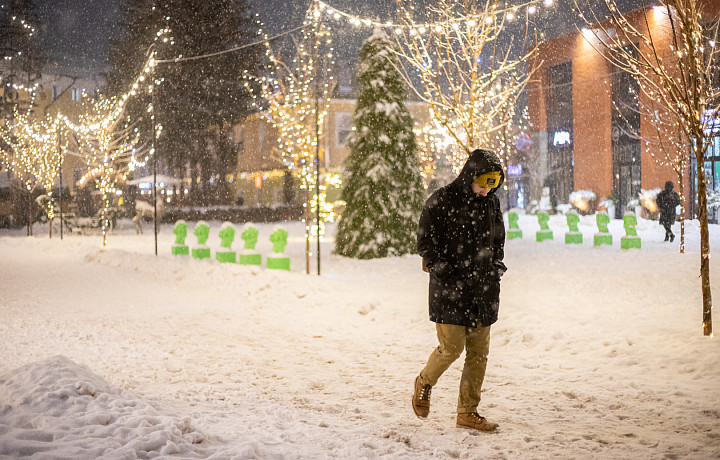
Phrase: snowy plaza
(116, 353)
(271, 229)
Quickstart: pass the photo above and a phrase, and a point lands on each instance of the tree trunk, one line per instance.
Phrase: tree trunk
(682, 209)
(704, 234)
(307, 228)
(30, 214)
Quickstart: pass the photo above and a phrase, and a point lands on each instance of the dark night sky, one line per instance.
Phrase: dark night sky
(76, 32)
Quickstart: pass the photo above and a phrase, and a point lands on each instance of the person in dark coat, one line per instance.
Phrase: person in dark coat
(461, 238)
(667, 201)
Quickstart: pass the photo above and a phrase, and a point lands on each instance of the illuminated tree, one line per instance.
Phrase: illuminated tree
(21, 57)
(469, 69)
(33, 154)
(108, 143)
(293, 97)
(383, 187)
(678, 67)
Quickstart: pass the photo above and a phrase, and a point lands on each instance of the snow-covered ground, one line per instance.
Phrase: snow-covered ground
(115, 353)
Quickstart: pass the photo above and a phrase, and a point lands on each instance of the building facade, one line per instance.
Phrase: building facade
(262, 178)
(588, 126)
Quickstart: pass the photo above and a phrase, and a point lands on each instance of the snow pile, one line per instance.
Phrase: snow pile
(64, 410)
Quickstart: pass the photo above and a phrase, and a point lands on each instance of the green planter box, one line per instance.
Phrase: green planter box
(602, 238)
(514, 234)
(573, 238)
(180, 250)
(250, 259)
(630, 242)
(225, 257)
(543, 235)
(201, 253)
(278, 263)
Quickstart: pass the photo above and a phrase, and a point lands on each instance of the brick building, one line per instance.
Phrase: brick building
(587, 131)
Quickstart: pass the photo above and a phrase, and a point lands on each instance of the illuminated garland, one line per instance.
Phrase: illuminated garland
(509, 13)
(462, 118)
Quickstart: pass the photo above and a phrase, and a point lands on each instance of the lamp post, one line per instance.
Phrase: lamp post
(154, 147)
(317, 159)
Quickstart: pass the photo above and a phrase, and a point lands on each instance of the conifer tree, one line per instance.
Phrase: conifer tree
(195, 94)
(383, 187)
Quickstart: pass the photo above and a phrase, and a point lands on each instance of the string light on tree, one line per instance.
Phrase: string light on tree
(33, 154)
(682, 83)
(109, 147)
(287, 97)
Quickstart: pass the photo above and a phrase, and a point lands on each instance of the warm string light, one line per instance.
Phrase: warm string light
(663, 103)
(30, 30)
(326, 11)
(470, 95)
(35, 155)
(31, 89)
(678, 78)
(287, 97)
(109, 148)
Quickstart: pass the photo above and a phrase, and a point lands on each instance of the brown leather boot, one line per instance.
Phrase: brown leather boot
(421, 399)
(474, 421)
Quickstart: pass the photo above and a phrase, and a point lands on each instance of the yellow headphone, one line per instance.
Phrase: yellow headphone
(490, 179)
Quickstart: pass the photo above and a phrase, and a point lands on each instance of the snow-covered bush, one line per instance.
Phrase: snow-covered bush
(632, 204)
(583, 201)
(608, 204)
(647, 200)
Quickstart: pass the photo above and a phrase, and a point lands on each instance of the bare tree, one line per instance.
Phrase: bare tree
(108, 143)
(470, 72)
(33, 153)
(292, 98)
(677, 66)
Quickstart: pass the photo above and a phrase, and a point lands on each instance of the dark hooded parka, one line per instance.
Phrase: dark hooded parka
(667, 201)
(461, 239)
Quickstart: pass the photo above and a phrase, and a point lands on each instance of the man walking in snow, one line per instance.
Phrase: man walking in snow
(667, 201)
(461, 238)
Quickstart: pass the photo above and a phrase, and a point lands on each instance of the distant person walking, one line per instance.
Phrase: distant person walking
(667, 201)
(461, 238)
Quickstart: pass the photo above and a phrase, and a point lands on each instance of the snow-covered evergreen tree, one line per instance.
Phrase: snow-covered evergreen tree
(383, 187)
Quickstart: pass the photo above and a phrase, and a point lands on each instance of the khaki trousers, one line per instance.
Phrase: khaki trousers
(453, 339)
